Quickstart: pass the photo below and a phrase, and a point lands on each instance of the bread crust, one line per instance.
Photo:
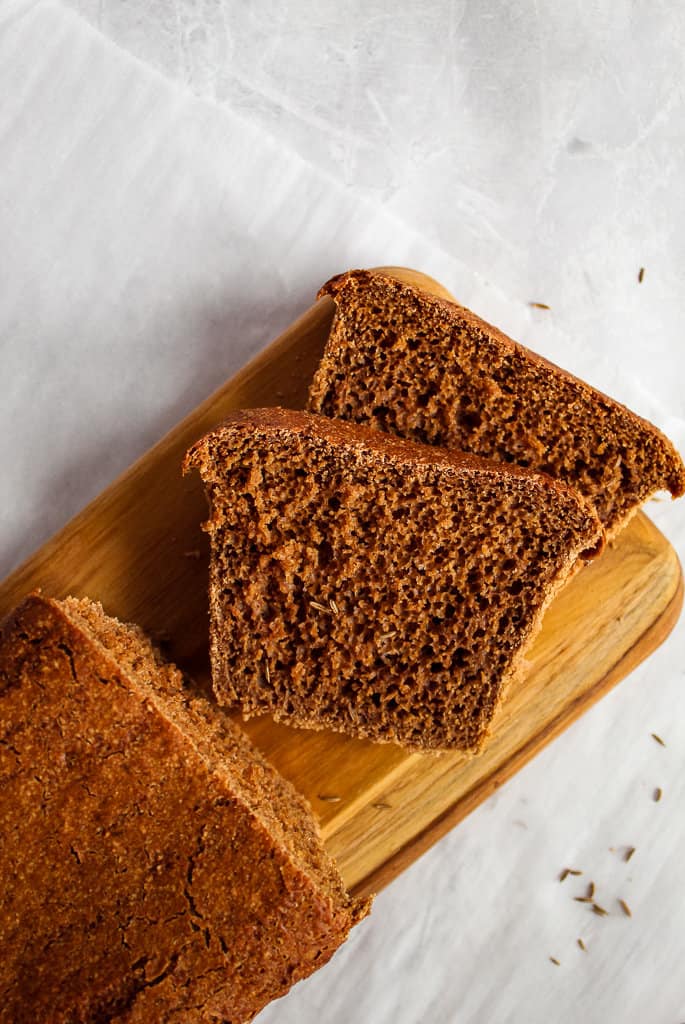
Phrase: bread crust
(142, 880)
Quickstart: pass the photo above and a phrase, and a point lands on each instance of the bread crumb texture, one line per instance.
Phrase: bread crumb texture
(371, 585)
(403, 361)
(154, 866)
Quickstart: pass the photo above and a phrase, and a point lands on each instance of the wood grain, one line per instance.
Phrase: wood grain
(139, 549)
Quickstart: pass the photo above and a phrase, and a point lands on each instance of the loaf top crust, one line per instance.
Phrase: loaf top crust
(155, 867)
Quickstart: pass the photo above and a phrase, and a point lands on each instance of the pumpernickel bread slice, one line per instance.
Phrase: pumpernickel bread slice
(154, 867)
(372, 585)
(401, 360)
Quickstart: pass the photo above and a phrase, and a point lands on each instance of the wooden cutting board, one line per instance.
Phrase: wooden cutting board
(139, 549)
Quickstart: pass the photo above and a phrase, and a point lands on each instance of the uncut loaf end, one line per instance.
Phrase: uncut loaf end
(403, 361)
(154, 866)
(371, 585)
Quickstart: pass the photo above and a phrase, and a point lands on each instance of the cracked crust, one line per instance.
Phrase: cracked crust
(155, 867)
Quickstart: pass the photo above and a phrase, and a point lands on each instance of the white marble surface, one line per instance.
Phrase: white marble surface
(153, 239)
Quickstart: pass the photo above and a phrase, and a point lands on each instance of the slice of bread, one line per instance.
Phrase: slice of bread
(154, 866)
(371, 585)
(404, 361)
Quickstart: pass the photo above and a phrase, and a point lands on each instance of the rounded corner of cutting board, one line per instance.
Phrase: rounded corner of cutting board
(417, 279)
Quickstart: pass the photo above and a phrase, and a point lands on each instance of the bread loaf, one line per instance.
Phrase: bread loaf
(404, 361)
(371, 585)
(154, 867)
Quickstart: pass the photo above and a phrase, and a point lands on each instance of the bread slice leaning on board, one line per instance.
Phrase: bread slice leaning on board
(403, 361)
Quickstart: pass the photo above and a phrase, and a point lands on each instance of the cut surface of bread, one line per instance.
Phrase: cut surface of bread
(154, 866)
(403, 361)
(371, 585)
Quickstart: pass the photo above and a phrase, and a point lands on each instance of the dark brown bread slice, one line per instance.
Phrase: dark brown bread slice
(371, 585)
(404, 361)
(154, 867)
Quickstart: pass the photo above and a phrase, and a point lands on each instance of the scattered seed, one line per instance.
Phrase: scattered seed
(641, 275)
(625, 908)
(381, 806)
(195, 553)
(658, 739)
(629, 853)
(582, 945)
(329, 799)
(600, 911)
(656, 795)
(574, 871)
(334, 607)
(589, 894)
(555, 961)
(319, 607)
(564, 875)
(267, 672)
(539, 305)
(388, 636)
